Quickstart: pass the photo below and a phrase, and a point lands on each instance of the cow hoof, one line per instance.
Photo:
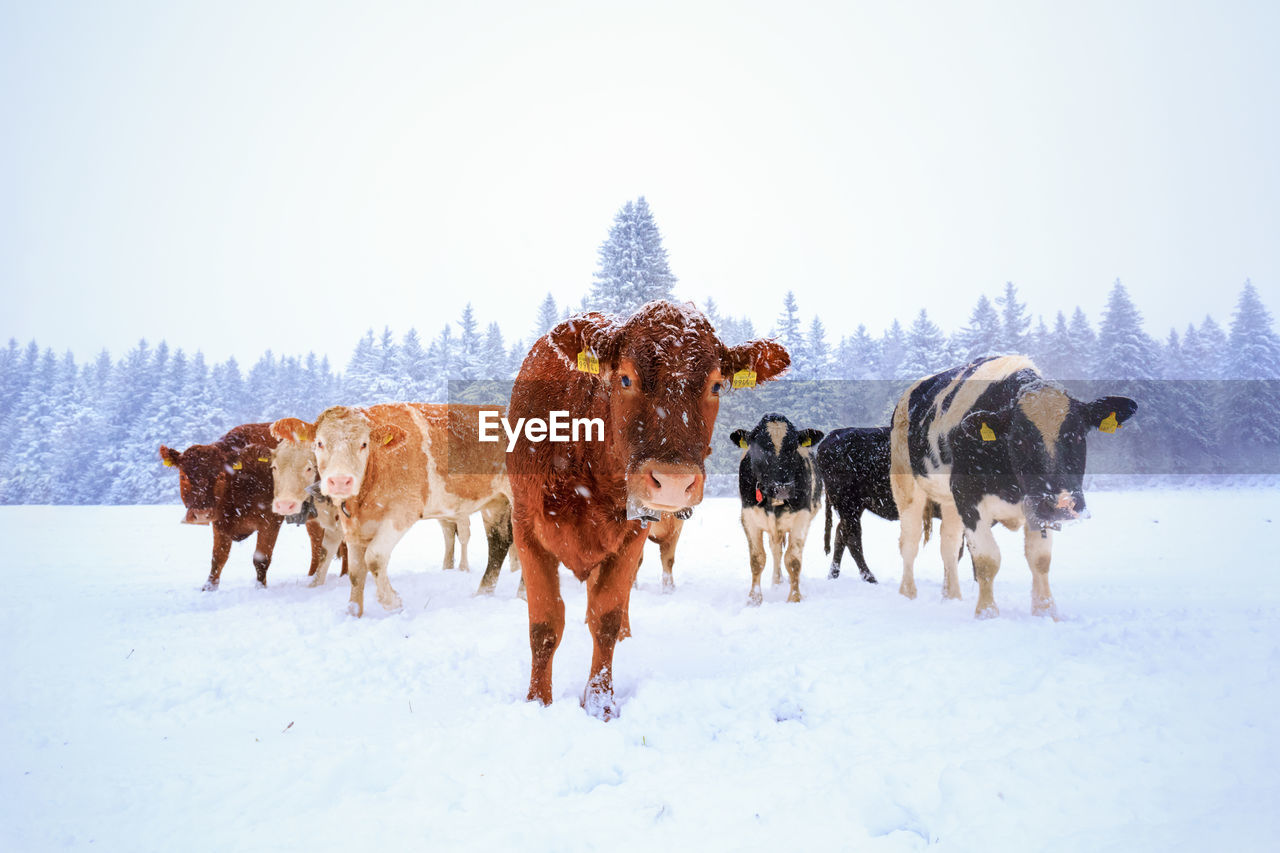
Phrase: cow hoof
(668, 585)
(317, 582)
(260, 585)
(794, 597)
(990, 611)
(908, 590)
(486, 590)
(599, 705)
(777, 580)
(391, 603)
(355, 608)
(869, 578)
(755, 599)
(834, 573)
(950, 594)
(209, 586)
(521, 594)
(1045, 608)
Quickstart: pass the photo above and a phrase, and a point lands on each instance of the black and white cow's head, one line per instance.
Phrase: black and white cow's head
(1043, 432)
(776, 468)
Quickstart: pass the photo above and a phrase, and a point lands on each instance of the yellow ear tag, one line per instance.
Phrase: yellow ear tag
(1109, 423)
(588, 362)
(168, 463)
(387, 440)
(263, 459)
(742, 442)
(987, 433)
(236, 466)
(805, 442)
(744, 379)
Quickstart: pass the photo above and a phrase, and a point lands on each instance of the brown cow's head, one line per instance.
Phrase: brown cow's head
(663, 370)
(205, 472)
(293, 471)
(344, 438)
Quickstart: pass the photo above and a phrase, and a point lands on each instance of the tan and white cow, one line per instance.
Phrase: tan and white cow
(297, 496)
(388, 466)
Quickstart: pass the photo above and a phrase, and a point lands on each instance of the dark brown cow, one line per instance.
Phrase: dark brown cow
(655, 381)
(227, 484)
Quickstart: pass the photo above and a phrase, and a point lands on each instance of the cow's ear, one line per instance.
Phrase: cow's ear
(293, 429)
(169, 456)
(753, 362)
(810, 437)
(587, 341)
(986, 426)
(739, 438)
(387, 436)
(1108, 413)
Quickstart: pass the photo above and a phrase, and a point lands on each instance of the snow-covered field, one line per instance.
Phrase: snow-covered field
(140, 714)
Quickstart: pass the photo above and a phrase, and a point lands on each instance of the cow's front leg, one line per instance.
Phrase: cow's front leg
(795, 550)
(540, 570)
(986, 563)
(376, 559)
(221, 550)
(357, 573)
(608, 596)
(263, 547)
(667, 551)
(1039, 548)
(330, 546)
(755, 545)
(838, 551)
(497, 531)
(464, 539)
(951, 534)
(315, 533)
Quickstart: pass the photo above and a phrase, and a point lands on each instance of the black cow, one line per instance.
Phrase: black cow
(992, 441)
(781, 493)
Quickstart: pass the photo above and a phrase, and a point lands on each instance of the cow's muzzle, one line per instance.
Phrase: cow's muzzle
(666, 487)
(198, 516)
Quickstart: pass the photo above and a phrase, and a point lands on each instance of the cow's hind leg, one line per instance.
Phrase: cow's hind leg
(1039, 548)
(497, 530)
(986, 563)
(838, 551)
(450, 531)
(608, 594)
(463, 525)
(854, 539)
(221, 550)
(951, 536)
(330, 546)
(911, 522)
(540, 569)
(776, 541)
(315, 533)
(263, 547)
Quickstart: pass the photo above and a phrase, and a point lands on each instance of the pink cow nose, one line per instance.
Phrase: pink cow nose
(285, 507)
(1065, 501)
(340, 485)
(671, 488)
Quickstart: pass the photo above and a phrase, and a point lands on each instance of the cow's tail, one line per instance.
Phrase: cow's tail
(826, 534)
(928, 520)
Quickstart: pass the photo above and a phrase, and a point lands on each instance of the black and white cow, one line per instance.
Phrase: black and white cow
(992, 441)
(781, 493)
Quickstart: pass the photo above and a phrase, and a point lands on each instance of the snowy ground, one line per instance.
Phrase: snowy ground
(138, 713)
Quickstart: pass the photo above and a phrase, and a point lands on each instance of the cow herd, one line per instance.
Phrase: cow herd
(990, 442)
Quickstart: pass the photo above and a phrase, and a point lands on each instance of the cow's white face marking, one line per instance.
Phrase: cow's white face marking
(342, 451)
(293, 470)
(1046, 408)
(777, 432)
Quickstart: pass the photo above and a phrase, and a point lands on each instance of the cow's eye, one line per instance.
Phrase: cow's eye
(715, 388)
(363, 445)
(626, 381)
(319, 445)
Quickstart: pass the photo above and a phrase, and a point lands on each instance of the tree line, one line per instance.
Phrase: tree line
(87, 433)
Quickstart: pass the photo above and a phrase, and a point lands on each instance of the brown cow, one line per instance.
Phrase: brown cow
(388, 466)
(654, 380)
(227, 484)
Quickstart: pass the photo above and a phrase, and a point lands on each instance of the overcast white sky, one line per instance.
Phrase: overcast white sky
(233, 177)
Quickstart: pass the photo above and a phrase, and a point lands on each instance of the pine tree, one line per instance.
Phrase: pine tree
(359, 379)
(1125, 351)
(925, 352)
(856, 357)
(892, 348)
(633, 265)
(1085, 347)
(470, 363)
(412, 367)
(30, 468)
(982, 336)
(1014, 321)
(818, 351)
(1214, 343)
(1253, 366)
(548, 317)
(494, 354)
(788, 332)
